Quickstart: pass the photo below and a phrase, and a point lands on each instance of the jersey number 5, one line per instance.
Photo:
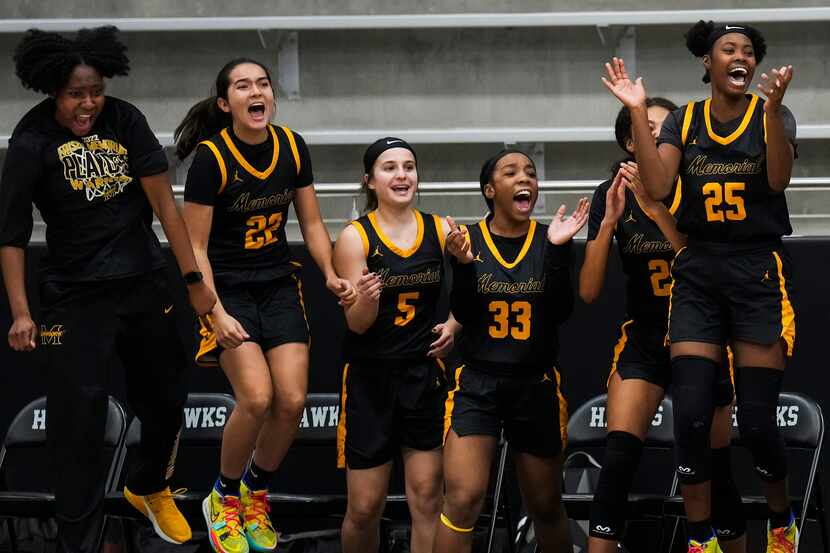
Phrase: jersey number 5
(407, 310)
(660, 277)
(723, 203)
(262, 231)
(501, 316)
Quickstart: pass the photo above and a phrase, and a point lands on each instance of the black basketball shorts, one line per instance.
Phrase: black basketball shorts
(388, 405)
(530, 409)
(272, 313)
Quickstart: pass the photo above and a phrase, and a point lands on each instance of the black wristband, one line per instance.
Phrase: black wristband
(193, 277)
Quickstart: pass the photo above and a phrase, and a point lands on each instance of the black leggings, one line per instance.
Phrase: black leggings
(89, 325)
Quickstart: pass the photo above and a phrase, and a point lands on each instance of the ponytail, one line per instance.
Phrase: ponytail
(371, 196)
(202, 121)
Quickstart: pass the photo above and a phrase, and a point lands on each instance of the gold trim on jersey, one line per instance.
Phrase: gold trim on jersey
(363, 237)
(223, 171)
(618, 349)
(391, 245)
(449, 403)
(687, 122)
(485, 232)
(563, 410)
(439, 229)
(666, 340)
(341, 423)
(787, 311)
(675, 203)
(707, 117)
(293, 144)
(261, 175)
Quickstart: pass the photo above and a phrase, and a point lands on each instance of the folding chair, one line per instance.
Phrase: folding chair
(587, 430)
(323, 495)
(24, 460)
(801, 423)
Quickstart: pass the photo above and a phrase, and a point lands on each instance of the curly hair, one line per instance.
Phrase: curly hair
(699, 40)
(44, 61)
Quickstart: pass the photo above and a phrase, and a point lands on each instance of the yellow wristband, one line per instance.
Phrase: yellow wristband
(448, 523)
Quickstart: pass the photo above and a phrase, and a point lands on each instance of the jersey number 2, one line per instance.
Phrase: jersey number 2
(660, 277)
(407, 310)
(723, 203)
(501, 316)
(262, 231)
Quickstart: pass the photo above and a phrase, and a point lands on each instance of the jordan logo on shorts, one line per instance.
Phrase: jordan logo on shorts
(51, 336)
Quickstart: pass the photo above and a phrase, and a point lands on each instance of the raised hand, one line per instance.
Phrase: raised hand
(775, 86)
(369, 285)
(631, 179)
(630, 93)
(615, 200)
(458, 243)
(562, 229)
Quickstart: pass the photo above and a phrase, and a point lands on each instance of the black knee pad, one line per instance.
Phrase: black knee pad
(728, 519)
(608, 511)
(758, 390)
(693, 380)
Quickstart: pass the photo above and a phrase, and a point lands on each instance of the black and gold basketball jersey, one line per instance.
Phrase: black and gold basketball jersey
(247, 235)
(646, 256)
(412, 279)
(508, 326)
(726, 194)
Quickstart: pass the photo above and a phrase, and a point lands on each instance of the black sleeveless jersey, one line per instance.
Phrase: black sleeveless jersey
(247, 236)
(726, 194)
(412, 279)
(509, 322)
(645, 252)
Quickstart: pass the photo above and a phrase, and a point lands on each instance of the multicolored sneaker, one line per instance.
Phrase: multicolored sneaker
(709, 546)
(258, 528)
(159, 507)
(224, 526)
(783, 540)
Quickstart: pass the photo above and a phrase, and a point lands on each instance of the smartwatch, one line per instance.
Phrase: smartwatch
(193, 277)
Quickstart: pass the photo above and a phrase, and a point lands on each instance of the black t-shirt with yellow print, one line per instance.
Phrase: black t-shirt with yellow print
(250, 188)
(87, 189)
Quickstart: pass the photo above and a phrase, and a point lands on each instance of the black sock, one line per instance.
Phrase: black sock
(227, 486)
(780, 520)
(700, 531)
(256, 477)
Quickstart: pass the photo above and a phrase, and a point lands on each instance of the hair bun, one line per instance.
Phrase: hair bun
(697, 38)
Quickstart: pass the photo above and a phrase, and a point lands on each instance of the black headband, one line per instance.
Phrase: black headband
(721, 30)
(379, 146)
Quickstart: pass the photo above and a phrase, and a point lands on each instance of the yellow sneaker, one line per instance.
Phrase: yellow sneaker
(159, 507)
(223, 524)
(709, 546)
(258, 528)
(783, 540)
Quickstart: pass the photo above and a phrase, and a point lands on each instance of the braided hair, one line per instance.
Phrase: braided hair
(44, 61)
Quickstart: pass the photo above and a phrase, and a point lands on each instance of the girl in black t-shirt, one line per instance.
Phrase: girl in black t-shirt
(245, 174)
(96, 173)
(734, 154)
